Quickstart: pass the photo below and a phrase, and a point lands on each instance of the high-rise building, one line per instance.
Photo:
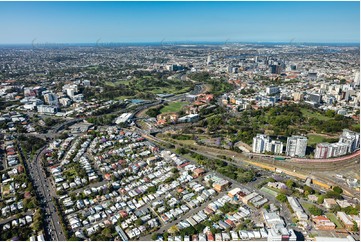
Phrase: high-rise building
(275, 69)
(298, 96)
(209, 59)
(337, 149)
(275, 146)
(296, 146)
(316, 98)
(322, 150)
(51, 99)
(312, 75)
(352, 139)
(272, 90)
(356, 80)
(349, 141)
(70, 90)
(260, 142)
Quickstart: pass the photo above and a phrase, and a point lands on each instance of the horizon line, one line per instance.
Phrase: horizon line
(169, 42)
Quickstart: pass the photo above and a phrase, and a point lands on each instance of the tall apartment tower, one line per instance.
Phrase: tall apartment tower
(260, 142)
(296, 146)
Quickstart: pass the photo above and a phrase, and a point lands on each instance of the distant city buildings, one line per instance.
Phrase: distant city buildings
(272, 90)
(46, 109)
(51, 99)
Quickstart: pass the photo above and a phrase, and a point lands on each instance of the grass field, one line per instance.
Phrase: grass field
(310, 114)
(173, 107)
(306, 206)
(334, 219)
(269, 191)
(117, 83)
(315, 139)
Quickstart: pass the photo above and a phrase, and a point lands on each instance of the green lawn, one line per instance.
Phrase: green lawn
(117, 83)
(334, 219)
(269, 191)
(310, 114)
(306, 206)
(169, 90)
(315, 139)
(173, 107)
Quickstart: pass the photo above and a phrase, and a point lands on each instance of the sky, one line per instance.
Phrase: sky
(106, 22)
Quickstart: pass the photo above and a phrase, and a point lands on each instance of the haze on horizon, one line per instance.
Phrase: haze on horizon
(89, 22)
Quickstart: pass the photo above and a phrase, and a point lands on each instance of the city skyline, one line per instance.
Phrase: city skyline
(154, 22)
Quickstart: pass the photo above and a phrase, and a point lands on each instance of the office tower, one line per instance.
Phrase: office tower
(298, 96)
(51, 99)
(357, 79)
(316, 98)
(272, 90)
(275, 69)
(209, 59)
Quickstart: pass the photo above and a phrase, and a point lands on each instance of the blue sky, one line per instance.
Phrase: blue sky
(89, 22)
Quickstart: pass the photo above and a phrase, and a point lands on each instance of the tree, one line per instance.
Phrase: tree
(355, 227)
(338, 190)
(315, 210)
(267, 206)
(155, 236)
(335, 208)
(290, 183)
(173, 229)
(107, 232)
(330, 113)
(281, 197)
(333, 194)
(320, 199)
(352, 210)
(165, 236)
(139, 222)
(152, 189)
(73, 238)
(308, 190)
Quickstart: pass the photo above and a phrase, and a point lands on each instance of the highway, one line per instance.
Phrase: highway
(42, 186)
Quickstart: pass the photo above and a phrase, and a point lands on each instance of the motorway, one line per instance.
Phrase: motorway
(42, 186)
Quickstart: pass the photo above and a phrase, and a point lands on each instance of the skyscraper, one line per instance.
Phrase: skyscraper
(357, 79)
(209, 59)
(296, 146)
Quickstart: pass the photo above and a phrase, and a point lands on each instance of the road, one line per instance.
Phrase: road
(6, 220)
(42, 185)
(302, 171)
(284, 211)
